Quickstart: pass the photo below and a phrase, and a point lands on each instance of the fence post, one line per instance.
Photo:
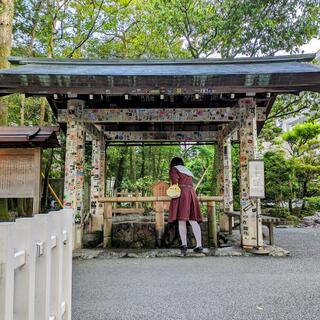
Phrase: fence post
(212, 224)
(107, 224)
(66, 223)
(6, 271)
(54, 220)
(24, 282)
(43, 267)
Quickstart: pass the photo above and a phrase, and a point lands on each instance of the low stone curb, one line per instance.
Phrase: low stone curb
(88, 254)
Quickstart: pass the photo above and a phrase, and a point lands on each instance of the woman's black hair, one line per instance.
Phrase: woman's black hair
(176, 162)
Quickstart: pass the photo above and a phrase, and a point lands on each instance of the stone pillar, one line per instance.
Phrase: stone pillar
(225, 178)
(97, 181)
(251, 226)
(74, 161)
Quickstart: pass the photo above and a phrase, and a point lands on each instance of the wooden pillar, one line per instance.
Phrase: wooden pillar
(251, 224)
(159, 211)
(107, 224)
(225, 179)
(74, 161)
(97, 179)
(37, 181)
(212, 224)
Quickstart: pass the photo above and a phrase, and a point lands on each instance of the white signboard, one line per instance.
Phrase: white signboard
(256, 179)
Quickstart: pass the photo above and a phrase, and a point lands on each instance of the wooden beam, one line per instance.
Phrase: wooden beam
(161, 115)
(156, 144)
(155, 198)
(178, 136)
(93, 131)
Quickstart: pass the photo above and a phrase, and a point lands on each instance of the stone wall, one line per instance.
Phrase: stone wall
(139, 232)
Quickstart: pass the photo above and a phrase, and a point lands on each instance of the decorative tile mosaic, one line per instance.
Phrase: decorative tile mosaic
(97, 174)
(75, 144)
(161, 136)
(162, 115)
(251, 227)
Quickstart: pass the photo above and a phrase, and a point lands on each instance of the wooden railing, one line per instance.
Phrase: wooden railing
(158, 204)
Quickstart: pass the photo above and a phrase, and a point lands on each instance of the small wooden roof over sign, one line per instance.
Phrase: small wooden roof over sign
(28, 137)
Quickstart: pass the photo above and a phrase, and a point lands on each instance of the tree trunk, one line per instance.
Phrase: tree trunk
(34, 23)
(52, 11)
(153, 162)
(4, 215)
(22, 111)
(290, 206)
(133, 174)
(21, 210)
(6, 18)
(43, 105)
(159, 162)
(142, 173)
(44, 197)
(121, 169)
(304, 193)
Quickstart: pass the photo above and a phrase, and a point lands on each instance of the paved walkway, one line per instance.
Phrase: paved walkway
(240, 288)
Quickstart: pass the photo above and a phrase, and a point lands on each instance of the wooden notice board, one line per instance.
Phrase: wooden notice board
(256, 179)
(20, 174)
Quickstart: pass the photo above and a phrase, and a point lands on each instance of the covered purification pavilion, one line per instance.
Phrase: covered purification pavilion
(164, 101)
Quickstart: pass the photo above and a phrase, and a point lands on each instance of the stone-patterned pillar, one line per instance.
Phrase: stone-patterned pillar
(74, 161)
(98, 178)
(251, 226)
(225, 178)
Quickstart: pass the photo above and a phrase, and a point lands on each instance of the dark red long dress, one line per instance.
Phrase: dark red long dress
(186, 207)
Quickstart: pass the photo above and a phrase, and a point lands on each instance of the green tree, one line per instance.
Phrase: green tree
(280, 179)
(304, 143)
(302, 138)
(234, 27)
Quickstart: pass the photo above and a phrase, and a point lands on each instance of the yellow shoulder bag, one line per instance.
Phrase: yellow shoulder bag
(174, 191)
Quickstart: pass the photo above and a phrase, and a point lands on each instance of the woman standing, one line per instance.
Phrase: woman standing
(186, 207)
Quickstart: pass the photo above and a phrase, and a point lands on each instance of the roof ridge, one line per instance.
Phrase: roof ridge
(63, 61)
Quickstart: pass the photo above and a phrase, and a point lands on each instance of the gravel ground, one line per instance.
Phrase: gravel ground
(204, 288)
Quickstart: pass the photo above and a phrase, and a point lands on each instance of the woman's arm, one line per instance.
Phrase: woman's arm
(174, 176)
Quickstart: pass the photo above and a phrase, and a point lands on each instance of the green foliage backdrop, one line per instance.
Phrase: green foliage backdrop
(179, 29)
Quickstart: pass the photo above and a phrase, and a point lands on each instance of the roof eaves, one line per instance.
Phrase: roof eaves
(242, 60)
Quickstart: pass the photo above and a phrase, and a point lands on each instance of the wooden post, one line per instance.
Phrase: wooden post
(107, 224)
(212, 224)
(159, 209)
(231, 221)
(271, 233)
(97, 189)
(250, 221)
(75, 147)
(37, 180)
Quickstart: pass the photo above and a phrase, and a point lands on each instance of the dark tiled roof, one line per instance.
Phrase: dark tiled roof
(24, 137)
(210, 67)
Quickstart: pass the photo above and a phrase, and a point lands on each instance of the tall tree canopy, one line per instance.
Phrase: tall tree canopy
(163, 28)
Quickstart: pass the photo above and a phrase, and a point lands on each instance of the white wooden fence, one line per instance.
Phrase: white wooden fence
(36, 267)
